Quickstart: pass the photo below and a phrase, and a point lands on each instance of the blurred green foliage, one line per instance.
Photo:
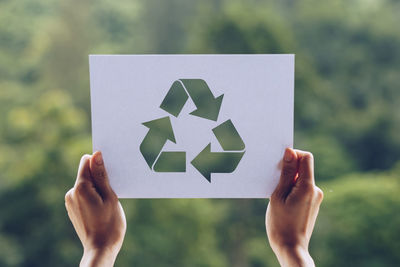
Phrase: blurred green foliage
(346, 113)
(359, 222)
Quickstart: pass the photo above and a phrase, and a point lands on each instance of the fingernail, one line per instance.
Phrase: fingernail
(288, 156)
(98, 159)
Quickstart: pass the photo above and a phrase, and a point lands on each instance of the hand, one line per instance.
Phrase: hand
(96, 213)
(293, 209)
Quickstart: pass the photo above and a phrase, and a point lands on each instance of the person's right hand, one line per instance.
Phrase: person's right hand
(293, 209)
(96, 213)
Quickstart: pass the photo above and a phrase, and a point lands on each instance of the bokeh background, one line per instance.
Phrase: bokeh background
(346, 112)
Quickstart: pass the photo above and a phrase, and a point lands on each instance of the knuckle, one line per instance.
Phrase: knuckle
(319, 194)
(308, 156)
(68, 196)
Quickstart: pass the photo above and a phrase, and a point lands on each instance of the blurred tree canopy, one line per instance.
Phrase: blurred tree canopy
(346, 113)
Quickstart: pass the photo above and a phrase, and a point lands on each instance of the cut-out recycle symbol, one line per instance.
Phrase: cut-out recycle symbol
(207, 107)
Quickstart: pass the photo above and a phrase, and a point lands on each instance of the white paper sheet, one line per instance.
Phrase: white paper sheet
(258, 99)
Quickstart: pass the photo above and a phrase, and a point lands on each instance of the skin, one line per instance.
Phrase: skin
(99, 220)
(293, 209)
(96, 213)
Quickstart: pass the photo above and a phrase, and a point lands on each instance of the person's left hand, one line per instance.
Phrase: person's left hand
(96, 213)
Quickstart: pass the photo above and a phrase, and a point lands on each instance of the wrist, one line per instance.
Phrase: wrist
(98, 257)
(294, 256)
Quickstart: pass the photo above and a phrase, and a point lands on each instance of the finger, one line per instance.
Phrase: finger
(83, 170)
(288, 174)
(99, 176)
(306, 167)
(84, 188)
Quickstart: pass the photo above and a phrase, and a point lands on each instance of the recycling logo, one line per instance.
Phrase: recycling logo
(207, 107)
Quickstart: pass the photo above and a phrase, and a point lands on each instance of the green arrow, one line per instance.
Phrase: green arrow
(175, 99)
(207, 105)
(160, 130)
(228, 136)
(207, 162)
(170, 161)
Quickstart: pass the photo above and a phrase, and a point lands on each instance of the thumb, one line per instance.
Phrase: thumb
(99, 176)
(288, 174)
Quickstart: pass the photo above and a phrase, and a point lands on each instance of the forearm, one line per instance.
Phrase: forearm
(294, 257)
(99, 257)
